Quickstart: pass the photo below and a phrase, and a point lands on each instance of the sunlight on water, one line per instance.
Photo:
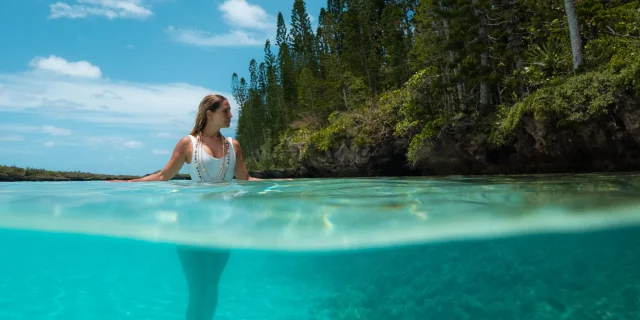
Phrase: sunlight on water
(327, 214)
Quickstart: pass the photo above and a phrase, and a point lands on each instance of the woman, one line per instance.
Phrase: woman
(209, 157)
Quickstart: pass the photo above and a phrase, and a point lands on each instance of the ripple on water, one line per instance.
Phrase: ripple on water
(330, 214)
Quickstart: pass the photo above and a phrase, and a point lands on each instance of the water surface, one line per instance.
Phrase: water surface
(528, 247)
(329, 214)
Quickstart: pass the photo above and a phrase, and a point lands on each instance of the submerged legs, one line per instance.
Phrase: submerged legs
(202, 269)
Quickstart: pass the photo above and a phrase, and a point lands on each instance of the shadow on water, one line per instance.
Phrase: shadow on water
(554, 276)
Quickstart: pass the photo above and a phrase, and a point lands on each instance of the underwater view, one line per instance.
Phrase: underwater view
(516, 247)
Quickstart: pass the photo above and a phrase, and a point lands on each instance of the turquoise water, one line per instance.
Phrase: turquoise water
(543, 247)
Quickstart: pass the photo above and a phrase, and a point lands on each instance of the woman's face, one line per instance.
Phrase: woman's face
(221, 118)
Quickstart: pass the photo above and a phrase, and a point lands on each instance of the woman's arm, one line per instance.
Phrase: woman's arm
(177, 160)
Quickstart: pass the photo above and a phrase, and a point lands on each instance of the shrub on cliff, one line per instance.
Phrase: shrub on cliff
(578, 98)
(400, 119)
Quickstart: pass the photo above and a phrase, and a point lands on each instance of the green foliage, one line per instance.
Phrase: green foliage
(397, 103)
(338, 129)
(358, 50)
(375, 72)
(400, 113)
(547, 61)
(629, 78)
(420, 101)
(429, 131)
(577, 99)
(600, 18)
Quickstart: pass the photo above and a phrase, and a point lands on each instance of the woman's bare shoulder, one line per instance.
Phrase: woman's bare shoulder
(184, 144)
(185, 139)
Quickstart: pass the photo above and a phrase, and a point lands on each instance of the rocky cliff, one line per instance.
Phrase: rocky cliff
(608, 142)
(588, 123)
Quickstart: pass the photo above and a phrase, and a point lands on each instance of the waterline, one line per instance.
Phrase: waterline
(331, 214)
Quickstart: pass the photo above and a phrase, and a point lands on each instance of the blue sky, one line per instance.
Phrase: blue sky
(110, 86)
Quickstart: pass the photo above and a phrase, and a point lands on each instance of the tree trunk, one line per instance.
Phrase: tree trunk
(574, 32)
(484, 58)
(344, 96)
(460, 89)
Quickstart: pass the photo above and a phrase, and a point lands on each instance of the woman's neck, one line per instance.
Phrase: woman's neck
(211, 132)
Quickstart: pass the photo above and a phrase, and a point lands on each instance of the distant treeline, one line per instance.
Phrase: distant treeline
(13, 173)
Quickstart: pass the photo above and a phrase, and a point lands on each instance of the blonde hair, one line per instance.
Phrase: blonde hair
(211, 103)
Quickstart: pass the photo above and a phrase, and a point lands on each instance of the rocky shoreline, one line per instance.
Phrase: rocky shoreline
(590, 123)
(606, 143)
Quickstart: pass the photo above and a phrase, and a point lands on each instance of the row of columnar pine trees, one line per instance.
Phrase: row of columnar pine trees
(480, 53)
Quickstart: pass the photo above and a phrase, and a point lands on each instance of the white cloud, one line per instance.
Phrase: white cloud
(239, 13)
(18, 150)
(82, 69)
(111, 9)
(249, 25)
(11, 137)
(162, 135)
(153, 107)
(201, 38)
(105, 140)
(55, 131)
(132, 144)
(161, 151)
(49, 144)
(52, 130)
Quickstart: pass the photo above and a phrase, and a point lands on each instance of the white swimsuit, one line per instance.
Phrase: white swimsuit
(213, 165)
